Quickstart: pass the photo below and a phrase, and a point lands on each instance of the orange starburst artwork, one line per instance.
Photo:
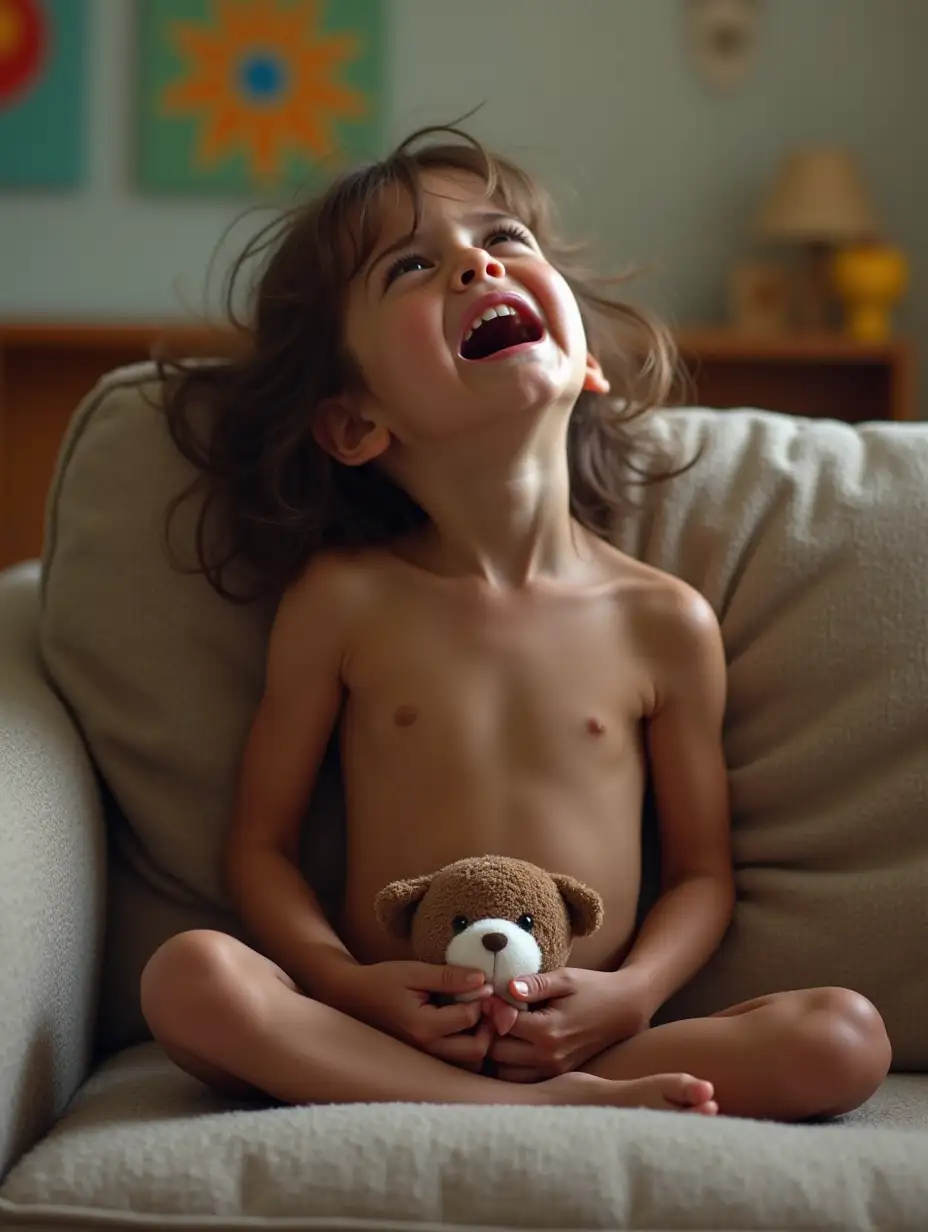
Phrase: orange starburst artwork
(270, 86)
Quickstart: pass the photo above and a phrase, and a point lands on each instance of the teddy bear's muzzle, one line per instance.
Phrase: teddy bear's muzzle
(500, 949)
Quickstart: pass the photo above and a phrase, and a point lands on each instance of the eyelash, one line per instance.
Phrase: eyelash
(511, 230)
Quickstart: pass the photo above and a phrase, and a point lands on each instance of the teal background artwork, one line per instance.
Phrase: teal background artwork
(42, 88)
(252, 96)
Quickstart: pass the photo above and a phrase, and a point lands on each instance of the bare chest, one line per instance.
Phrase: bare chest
(525, 679)
(473, 730)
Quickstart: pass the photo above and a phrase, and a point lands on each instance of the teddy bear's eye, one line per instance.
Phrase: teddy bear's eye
(459, 923)
(527, 922)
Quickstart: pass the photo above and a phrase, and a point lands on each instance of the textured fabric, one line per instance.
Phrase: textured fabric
(143, 1138)
(160, 673)
(51, 884)
(809, 538)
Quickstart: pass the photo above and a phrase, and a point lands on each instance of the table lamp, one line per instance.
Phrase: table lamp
(819, 201)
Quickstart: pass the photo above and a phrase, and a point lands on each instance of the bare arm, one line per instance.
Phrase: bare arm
(282, 755)
(690, 781)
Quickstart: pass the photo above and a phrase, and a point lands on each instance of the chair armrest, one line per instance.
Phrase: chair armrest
(52, 883)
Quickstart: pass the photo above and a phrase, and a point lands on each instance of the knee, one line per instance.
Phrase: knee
(838, 1050)
(191, 979)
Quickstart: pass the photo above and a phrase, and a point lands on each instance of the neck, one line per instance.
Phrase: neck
(500, 514)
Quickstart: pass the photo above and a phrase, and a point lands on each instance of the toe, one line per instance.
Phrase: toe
(688, 1091)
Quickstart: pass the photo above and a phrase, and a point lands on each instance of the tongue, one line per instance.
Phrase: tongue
(498, 334)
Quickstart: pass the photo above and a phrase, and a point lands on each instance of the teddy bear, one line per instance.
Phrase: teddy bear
(503, 916)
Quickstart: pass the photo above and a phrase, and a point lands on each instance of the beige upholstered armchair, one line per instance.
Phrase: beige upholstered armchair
(125, 691)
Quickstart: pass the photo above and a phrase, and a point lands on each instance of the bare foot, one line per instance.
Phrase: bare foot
(676, 1092)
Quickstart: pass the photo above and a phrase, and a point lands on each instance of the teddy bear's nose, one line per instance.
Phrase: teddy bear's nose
(494, 942)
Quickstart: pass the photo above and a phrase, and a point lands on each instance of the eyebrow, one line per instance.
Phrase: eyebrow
(483, 217)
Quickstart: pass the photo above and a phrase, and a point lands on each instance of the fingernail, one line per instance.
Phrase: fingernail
(520, 987)
(475, 978)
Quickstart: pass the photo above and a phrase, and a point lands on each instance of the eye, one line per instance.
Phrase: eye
(404, 265)
(510, 233)
(526, 922)
(459, 923)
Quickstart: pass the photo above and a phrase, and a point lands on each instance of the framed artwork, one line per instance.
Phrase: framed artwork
(760, 297)
(257, 96)
(42, 85)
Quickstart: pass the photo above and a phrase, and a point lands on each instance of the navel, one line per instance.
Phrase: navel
(405, 716)
(596, 727)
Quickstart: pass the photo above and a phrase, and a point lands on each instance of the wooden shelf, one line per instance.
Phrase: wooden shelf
(47, 367)
(817, 375)
(135, 339)
(788, 348)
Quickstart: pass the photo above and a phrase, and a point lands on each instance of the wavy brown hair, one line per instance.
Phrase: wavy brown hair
(278, 496)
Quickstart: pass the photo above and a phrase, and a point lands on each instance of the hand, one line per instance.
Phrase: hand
(396, 997)
(587, 1011)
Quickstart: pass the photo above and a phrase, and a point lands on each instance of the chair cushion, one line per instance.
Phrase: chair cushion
(143, 1141)
(809, 538)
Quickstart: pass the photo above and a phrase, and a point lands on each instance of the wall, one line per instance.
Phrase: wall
(594, 94)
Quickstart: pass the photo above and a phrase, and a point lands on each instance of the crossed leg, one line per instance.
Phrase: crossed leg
(236, 1021)
(815, 1052)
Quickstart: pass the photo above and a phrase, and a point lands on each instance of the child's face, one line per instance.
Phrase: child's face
(412, 306)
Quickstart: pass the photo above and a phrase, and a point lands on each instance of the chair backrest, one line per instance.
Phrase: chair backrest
(809, 539)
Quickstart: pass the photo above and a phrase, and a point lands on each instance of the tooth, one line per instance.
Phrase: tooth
(489, 314)
(468, 334)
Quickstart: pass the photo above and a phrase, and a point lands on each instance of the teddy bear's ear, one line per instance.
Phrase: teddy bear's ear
(396, 904)
(584, 906)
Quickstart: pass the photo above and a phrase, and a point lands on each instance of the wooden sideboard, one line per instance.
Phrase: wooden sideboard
(46, 369)
(824, 376)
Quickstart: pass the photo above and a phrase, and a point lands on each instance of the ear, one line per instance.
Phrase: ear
(584, 906)
(396, 904)
(342, 431)
(594, 379)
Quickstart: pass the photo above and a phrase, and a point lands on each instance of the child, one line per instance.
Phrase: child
(420, 451)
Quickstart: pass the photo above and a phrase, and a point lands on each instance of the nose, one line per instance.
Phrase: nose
(494, 942)
(475, 264)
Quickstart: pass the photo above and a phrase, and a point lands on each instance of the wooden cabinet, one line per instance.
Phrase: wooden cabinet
(820, 375)
(45, 370)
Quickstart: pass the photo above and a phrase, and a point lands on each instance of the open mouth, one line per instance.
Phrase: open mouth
(499, 329)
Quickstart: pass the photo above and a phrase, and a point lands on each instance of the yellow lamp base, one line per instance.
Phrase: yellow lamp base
(870, 280)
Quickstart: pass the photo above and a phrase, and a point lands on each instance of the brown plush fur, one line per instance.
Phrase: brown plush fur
(489, 887)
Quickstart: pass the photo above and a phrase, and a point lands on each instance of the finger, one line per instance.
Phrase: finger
(469, 1050)
(503, 1016)
(452, 980)
(534, 1028)
(445, 1020)
(519, 1073)
(541, 987)
(438, 977)
(500, 1013)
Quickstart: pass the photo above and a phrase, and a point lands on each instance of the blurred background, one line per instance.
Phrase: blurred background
(761, 161)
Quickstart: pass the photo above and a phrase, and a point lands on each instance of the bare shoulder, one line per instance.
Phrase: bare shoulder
(672, 608)
(675, 629)
(319, 613)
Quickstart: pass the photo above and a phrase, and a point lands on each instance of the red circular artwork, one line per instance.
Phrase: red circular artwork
(23, 43)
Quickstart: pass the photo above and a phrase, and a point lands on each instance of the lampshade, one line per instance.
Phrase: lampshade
(818, 194)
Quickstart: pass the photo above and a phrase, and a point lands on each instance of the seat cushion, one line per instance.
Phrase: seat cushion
(145, 1142)
(809, 538)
